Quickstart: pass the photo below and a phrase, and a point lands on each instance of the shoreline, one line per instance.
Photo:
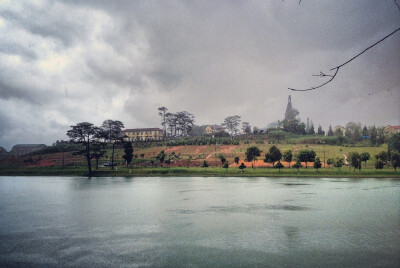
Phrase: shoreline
(199, 172)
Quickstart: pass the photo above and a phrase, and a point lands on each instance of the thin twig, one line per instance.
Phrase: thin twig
(338, 67)
(332, 77)
(321, 74)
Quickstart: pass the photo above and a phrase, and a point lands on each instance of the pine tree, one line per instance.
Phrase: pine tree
(128, 150)
(311, 131)
(373, 135)
(320, 131)
(365, 131)
(330, 131)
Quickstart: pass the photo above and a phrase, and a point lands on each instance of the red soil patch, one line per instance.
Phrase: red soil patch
(173, 149)
(46, 160)
(200, 148)
(227, 148)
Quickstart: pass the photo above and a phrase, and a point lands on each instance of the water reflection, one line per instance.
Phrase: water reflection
(292, 234)
(199, 222)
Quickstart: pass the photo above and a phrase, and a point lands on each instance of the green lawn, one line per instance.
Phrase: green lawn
(196, 171)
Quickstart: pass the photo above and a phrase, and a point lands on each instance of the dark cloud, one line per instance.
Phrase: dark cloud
(47, 21)
(26, 93)
(5, 124)
(17, 49)
(73, 61)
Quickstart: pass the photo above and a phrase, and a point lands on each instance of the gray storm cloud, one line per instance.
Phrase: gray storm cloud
(64, 62)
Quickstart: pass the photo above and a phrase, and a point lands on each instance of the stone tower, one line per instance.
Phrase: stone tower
(289, 108)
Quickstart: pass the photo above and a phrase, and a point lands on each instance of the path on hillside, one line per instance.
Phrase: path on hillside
(345, 160)
(222, 151)
(208, 156)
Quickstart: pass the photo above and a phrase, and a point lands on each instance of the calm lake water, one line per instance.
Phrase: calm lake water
(199, 222)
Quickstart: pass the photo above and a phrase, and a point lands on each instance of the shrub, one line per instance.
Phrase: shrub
(317, 163)
(279, 166)
(242, 166)
(379, 164)
(297, 165)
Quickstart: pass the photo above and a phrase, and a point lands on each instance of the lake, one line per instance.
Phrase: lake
(199, 222)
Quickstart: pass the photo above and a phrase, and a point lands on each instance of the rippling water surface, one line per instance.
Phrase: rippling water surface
(199, 222)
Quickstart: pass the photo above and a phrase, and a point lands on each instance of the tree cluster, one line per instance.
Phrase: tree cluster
(176, 124)
(94, 139)
(181, 124)
(231, 123)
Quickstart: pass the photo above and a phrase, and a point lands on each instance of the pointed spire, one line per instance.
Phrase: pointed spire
(289, 107)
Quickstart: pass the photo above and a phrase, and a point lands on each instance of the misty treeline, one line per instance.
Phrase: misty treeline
(176, 124)
(179, 128)
(181, 124)
(351, 133)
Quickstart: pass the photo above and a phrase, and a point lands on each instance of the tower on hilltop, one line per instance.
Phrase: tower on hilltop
(289, 109)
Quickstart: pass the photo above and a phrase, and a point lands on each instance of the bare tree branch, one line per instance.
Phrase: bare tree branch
(398, 29)
(321, 74)
(397, 4)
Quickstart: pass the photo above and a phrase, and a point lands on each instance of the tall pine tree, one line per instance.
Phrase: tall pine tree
(311, 131)
(320, 131)
(330, 131)
(128, 150)
(365, 131)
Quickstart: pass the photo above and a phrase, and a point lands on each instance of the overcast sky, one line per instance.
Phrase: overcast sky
(65, 62)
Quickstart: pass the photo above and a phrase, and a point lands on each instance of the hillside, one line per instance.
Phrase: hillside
(188, 155)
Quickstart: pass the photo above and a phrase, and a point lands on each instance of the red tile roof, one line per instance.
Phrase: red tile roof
(141, 129)
(393, 127)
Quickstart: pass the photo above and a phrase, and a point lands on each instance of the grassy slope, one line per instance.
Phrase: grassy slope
(200, 153)
(51, 164)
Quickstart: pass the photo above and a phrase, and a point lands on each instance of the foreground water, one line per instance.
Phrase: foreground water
(199, 222)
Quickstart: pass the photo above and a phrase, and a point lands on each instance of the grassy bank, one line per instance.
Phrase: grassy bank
(195, 171)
